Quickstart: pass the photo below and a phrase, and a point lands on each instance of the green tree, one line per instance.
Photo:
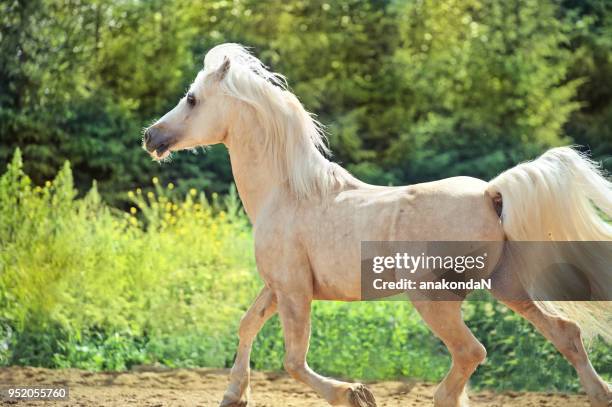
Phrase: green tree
(409, 91)
(81, 79)
(483, 85)
(591, 41)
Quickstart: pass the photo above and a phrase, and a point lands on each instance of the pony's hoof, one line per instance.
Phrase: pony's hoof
(443, 399)
(233, 400)
(236, 403)
(360, 396)
(604, 401)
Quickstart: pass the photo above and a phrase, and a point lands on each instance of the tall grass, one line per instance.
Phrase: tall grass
(89, 286)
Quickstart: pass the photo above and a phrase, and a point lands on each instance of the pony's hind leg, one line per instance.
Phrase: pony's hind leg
(294, 313)
(260, 311)
(445, 320)
(565, 335)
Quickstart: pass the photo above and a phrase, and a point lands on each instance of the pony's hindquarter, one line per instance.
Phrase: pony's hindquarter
(561, 197)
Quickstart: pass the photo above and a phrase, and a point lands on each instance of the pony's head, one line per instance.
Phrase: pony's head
(203, 116)
(199, 118)
(235, 91)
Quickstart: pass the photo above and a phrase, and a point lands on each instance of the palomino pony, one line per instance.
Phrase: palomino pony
(310, 215)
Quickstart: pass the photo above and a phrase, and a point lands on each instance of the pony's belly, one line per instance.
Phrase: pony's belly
(336, 267)
(337, 279)
(334, 247)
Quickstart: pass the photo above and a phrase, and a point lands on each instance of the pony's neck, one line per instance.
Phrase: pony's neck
(252, 175)
(289, 158)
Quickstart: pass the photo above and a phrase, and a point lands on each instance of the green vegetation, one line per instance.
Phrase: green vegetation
(410, 90)
(85, 285)
(99, 278)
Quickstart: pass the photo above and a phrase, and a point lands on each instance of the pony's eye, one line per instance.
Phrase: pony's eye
(191, 100)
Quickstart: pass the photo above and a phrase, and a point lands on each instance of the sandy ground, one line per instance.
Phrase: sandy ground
(156, 387)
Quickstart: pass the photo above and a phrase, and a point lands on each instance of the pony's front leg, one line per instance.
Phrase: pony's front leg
(237, 393)
(294, 312)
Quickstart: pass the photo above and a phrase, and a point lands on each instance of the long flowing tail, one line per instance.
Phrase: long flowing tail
(562, 196)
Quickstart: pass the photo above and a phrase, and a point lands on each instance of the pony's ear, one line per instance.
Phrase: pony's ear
(222, 71)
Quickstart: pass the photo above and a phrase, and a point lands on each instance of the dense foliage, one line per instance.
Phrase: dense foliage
(84, 285)
(409, 90)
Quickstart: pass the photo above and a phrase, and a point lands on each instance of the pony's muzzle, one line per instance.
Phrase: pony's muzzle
(157, 140)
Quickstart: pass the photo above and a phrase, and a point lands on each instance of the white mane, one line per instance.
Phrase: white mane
(294, 141)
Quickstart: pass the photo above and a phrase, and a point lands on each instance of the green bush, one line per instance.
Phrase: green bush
(81, 271)
(88, 286)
